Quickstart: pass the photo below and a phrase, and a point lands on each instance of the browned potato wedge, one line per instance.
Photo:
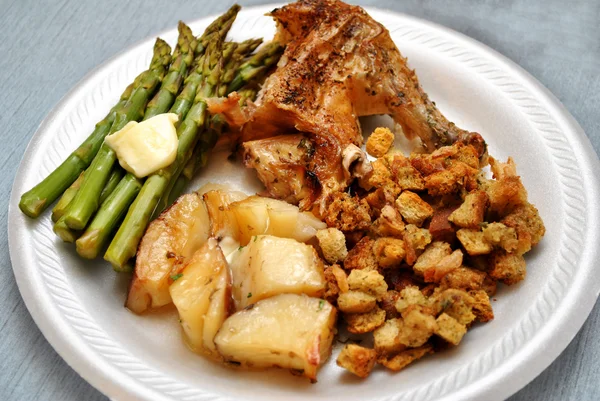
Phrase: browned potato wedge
(223, 222)
(288, 331)
(257, 215)
(202, 294)
(269, 265)
(169, 241)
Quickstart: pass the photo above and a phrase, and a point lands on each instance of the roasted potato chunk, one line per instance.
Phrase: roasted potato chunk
(169, 241)
(270, 265)
(202, 294)
(288, 331)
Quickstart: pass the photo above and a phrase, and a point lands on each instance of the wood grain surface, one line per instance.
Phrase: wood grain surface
(47, 46)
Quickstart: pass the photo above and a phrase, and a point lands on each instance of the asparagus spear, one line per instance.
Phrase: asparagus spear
(37, 199)
(69, 194)
(114, 208)
(258, 64)
(243, 49)
(86, 200)
(221, 25)
(124, 244)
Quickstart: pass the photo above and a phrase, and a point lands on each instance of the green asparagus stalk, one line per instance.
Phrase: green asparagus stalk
(86, 200)
(64, 232)
(108, 216)
(111, 211)
(37, 199)
(221, 25)
(124, 244)
(257, 65)
(115, 177)
(243, 49)
(66, 198)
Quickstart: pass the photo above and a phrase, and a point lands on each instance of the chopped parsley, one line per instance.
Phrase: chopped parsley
(321, 305)
(249, 295)
(176, 276)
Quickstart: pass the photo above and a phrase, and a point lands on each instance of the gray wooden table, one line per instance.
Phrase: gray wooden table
(46, 47)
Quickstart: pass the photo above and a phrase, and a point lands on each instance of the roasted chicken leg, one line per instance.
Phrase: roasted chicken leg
(339, 64)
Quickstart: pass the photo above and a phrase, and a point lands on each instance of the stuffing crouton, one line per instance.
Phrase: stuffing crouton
(332, 290)
(379, 142)
(474, 241)
(410, 295)
(369, 282)
(443, 267)
(449, 329)
(415, 240)
(471, 211)
(456, 303)
(501, 170)
(405, 175)
(386, 338)
(413, 209)
(356, 302)
(388, 304)
(347, 213)
(357, 360)
(482, 308)
(361, 323)
(378, 198)
(333, 244)
(435, 252)
(340, 277)
(416, 327)
(405, 358)
(440, 228)
(501, 236)
(463, 278)
(455, 179)
(388, 224)
(361, 257)
(528, 225)
(507, 267)
(505, 195)
(389, 251)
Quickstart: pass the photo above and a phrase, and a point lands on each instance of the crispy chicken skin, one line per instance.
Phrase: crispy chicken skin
(340, 64)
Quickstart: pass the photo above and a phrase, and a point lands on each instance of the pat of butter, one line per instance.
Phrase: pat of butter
(146, 147)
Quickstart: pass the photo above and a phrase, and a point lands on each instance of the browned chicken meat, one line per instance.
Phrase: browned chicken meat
(339, 64)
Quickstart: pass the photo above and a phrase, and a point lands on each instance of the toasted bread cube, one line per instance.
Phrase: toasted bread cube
(452, 180)
(405, 358)
(474, 241)
(528, 225)
(502, 170)
(340, 277)
(456, 303)
(356, 302)
(389, 251)
(440, 228)
(410, 295)
(370, 282)
(507, 267)
(386, 338)
(501, 236)
(413, 209)
(332, 290)
(471, 211)
(506, 194)
(416, 328)
(379, 142)
(449, 329)
(389, 223)
(415, 240)
(404, 174)
(435, 252)
(482, 308)
(357, 360)
(361, 257)
(446, 265)
(347, 213)
(463, 278)
(333, 244)
(361, 323)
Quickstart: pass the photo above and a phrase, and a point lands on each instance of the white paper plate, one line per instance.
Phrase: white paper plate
(78, 305)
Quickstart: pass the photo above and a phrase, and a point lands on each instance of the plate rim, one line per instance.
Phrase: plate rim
(81, 361)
